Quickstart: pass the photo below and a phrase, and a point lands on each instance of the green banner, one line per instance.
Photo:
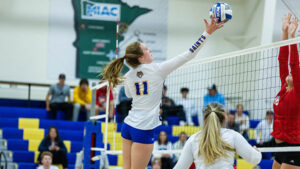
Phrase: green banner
(95, 26)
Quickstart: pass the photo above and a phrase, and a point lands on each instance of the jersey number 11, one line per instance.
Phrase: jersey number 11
(138, 88)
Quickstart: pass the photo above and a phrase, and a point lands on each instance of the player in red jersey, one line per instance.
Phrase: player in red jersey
(286, 127)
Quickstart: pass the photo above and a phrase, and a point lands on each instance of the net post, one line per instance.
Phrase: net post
(107, 114)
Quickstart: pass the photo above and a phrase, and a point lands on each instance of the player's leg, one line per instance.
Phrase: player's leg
(140, 155)
(127, 146)
(288, 166)
(276, 165)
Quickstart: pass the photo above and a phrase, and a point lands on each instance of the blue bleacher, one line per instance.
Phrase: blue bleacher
(23, 156)
(16, 112)
(27, 166)
(17, 145)
(173, 120)
(254, 123)
(12, 133)
(167, 129)
(9, 122)
(112, 159)
(252, 142)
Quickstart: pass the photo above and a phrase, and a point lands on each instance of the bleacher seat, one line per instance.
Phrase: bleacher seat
(12, 133)
(71, 158)
(9, 122)
(17, 145)
(167, 129)
(252, 142)
(76, 146)
(23, 156)
(27, 166)
(173, 120)
(16, 112)
(112, 159)
(242, 164)
(189, 130)
(28, 123)
(254, 123)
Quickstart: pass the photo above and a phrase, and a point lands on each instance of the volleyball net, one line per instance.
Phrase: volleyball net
(248, 77)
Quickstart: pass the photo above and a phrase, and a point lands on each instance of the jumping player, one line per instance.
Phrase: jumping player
(144, 83)
(286, 126)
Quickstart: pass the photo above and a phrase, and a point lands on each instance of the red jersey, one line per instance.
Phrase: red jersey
(286, 105)
(101, 96)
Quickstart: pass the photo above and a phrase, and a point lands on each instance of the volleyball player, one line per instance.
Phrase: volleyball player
(144, 83)
(286, 126)
(214, 146)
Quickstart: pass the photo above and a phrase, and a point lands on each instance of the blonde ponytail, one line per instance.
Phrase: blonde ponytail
(112, 71)
(212, 146)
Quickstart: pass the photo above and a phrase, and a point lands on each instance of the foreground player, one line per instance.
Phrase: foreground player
(286, 127)
(214, 147)
(144, 83)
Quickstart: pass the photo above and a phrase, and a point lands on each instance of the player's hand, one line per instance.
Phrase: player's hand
(255, 148)
(213, 25)
(293, 27)
(87, 107)
(286, 21)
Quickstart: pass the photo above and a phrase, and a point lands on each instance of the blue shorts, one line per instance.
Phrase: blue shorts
(137, 135)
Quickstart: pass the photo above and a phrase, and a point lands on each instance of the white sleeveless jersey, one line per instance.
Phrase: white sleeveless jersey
(144, 85)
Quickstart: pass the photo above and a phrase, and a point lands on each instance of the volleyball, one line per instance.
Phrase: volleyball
(222, 11)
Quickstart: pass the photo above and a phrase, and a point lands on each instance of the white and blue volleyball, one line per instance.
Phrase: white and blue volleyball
(222, 11)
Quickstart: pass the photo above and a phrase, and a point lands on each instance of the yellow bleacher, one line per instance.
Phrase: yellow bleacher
(33, 134)
(242, 164)
(28, 123)
(189, 130)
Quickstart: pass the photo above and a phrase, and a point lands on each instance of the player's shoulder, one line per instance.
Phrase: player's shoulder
(228, 132)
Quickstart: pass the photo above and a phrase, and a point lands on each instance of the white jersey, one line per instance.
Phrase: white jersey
(237, 141)
(144, 85)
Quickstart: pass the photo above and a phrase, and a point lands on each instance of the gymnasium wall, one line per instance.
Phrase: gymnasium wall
(24, 28)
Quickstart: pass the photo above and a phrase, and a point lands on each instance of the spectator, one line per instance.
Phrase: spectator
(162, 143)
(46, 160)
(58, 93)
(243, 121)
(55, 145)
(188, 106)
(82, 97)
(156, 163)
(124, 105)
(266, 128)
(168, 108)
(213, 96)
(231, 124)
(104, 164)
(179, 145)
(101, 101)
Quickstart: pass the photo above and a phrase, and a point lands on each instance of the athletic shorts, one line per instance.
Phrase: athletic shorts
(291, 158)
(137, 135)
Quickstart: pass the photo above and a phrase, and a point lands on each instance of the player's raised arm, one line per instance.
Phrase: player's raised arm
(283, 56)
(170, 65)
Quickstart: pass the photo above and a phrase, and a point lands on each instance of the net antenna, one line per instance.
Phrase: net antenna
(291, 4)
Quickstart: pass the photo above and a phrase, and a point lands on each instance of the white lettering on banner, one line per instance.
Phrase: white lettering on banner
(100, 11)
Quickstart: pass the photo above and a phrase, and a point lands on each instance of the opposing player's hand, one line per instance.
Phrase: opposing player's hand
(213, 25)
(286, 21)
(293, 27)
